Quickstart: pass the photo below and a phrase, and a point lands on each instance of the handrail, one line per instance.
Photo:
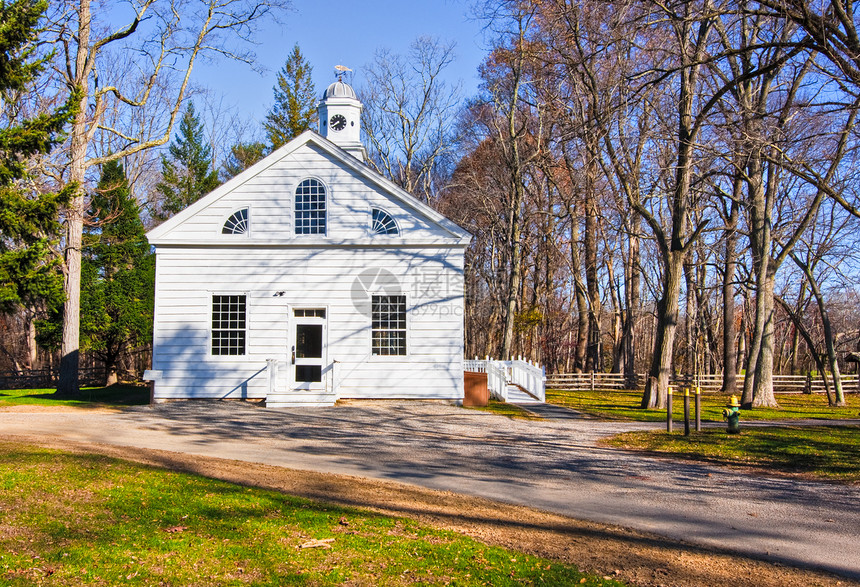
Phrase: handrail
(497, 381)
(529, 377)
(500, 374)
(334, 388)
(271, 376)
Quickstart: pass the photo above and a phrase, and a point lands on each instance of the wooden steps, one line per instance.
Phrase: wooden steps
(300, 399)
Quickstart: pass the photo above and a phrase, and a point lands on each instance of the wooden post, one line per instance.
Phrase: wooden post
(669, 410)
(698, 409)
(592, 381)
(686, 411)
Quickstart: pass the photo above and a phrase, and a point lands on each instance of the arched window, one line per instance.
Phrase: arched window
(383, 223)
(237, 223)
(310, 207)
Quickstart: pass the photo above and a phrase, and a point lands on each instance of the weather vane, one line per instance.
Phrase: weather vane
(340, 71)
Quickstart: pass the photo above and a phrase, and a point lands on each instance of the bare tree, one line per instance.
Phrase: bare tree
(691, 27)
(409, 110)
(827, 245)
(518, 128)
(830, 28)
(167, 37)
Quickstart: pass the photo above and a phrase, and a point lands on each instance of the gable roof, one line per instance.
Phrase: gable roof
(157, 235)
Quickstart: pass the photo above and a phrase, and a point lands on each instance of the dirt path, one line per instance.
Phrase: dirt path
(631, 556)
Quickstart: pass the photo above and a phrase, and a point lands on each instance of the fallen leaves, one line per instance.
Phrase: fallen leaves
(314, 543)
(175, 529)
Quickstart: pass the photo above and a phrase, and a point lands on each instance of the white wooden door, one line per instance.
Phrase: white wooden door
(308, 349)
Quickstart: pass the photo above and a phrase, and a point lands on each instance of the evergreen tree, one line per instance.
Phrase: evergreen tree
(28, 219)
(117, 273)
(242, 156)
(188, 173)
(295, 108)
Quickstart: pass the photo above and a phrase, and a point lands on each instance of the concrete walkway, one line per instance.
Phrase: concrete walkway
(554, 465)
(550, 411)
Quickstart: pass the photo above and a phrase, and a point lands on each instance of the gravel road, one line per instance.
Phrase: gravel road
(553, 465)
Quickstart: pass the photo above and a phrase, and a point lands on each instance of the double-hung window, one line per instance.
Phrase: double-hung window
(229, 324)
(388, 315)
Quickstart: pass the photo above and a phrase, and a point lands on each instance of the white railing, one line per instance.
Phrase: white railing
(331, 381)
(500, 374)
(528, 376)
(474, 366)
(271, 376)
(497, 379)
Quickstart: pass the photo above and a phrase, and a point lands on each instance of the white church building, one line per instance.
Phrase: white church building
(309, 278)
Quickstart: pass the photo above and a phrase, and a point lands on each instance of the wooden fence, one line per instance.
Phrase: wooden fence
(708, 383)
(47, 378)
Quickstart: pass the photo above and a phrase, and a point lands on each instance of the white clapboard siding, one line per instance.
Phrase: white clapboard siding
(270, 199)
(188, 277)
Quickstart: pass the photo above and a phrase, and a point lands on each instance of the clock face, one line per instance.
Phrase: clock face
(338, 122)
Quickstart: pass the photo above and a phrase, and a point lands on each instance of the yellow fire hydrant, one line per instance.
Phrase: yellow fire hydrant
(732, 415)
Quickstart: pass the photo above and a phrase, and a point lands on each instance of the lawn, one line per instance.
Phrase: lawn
(825, 452)
(624, 405)
(115, 395)
(71, 519)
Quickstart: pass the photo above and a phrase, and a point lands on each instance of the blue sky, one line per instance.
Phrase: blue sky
(341, 32)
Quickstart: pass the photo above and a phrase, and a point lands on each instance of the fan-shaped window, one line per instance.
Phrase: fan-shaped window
(237, 223)
(310, 207)
(383, 223)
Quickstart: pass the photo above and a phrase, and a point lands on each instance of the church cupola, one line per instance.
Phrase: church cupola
(340, 117)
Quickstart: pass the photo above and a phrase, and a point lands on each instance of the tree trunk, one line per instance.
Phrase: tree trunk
(111, 377)
(32, 348)
(632, 294)
(667, 324)
(68, 384)
(514, 281)
(801, 329)
(69, 360)
(593, 361)
(706, 338)
(757, 382)
(730, 335)
(795, 350)
(742, 341)
(690, 320)
(515, 167)
(580, 293)
(616, 296)
(828, 332)
(831, 349)
(764, 396)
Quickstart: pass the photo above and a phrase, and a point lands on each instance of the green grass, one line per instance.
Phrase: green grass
(115, 395)
(505, 409)
(624, 405)
(71, 519)
(825, 452)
